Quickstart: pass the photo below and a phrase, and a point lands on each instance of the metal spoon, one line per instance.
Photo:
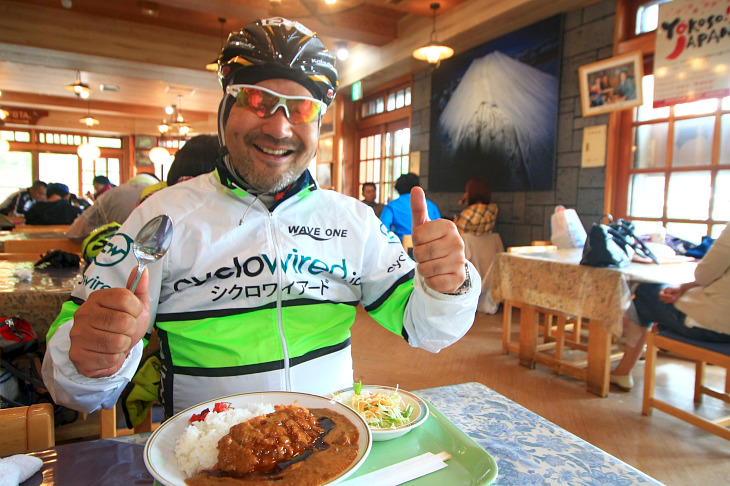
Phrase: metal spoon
(151, 244)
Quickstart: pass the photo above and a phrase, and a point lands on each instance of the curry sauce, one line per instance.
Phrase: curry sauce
(288, 447)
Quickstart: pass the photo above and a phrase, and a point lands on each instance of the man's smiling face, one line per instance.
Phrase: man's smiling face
(270, 153)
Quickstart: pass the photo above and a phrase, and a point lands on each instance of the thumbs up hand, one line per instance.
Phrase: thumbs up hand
(437, 248)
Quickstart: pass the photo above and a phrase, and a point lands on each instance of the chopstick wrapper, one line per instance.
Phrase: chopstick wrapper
(402, 472)
(16, 469)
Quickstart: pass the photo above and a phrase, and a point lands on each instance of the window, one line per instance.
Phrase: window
(56, 159)
(383, 158)
(384, 138)
(388, 101)
(676, 171)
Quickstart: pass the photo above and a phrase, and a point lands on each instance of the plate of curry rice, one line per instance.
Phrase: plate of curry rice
(195, 447)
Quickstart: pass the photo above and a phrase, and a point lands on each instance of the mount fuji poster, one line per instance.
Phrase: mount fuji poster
(494, 112)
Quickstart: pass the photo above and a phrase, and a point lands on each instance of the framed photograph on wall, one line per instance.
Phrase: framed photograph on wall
(611, 84)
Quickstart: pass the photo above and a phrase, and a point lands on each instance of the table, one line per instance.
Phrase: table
(25, 232)
(529, 450)
(39, 299)
(555, 281)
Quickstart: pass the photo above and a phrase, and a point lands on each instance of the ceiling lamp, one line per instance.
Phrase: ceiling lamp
(4, 114)
(433, 52)
(88, 151)
(89, 120)
(342, 52)
(213, 65)
(78, 88)
(159, 156)
(178, 121)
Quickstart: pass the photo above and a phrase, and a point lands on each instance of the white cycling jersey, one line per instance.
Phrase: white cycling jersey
(251, 299)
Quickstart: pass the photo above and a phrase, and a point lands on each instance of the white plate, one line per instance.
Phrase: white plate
(159, 457)
(418, 417)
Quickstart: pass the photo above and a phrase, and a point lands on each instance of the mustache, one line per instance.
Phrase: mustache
(272, 142)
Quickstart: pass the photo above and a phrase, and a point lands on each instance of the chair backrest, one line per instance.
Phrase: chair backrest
(25, 429)
(41, 245)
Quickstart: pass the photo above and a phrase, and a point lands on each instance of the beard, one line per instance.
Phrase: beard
(243, 165)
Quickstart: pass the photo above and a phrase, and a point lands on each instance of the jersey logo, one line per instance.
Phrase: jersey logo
(116, 250)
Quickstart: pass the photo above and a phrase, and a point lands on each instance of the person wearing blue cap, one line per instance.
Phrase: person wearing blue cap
(57, 209)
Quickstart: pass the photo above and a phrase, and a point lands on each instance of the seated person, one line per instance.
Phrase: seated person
(114, 205)
(369, 193)
(480, 215)
(57, 209)
(101, 184)
(396, 215)
(19, 202)
(696, 310)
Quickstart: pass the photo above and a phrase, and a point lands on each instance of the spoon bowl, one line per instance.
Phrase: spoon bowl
(151, 244)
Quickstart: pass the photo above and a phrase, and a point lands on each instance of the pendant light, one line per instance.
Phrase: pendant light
(89, 120)
(433, 52)
(213, 65)
(88, 151)
(78, 88)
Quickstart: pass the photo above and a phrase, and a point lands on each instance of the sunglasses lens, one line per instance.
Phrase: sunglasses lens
(302, 111)
(263, 104)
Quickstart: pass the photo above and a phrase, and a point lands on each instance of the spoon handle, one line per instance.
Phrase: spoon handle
(140, 269)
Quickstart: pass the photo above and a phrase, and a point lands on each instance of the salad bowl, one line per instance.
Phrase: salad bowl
(399, 413)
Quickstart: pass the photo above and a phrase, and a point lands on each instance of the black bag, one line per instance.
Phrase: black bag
(613, 245)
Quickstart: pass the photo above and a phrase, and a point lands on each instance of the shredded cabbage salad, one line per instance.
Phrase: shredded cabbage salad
(380, 409)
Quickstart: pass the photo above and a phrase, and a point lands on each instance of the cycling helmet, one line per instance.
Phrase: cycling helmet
(97, 239)
(278, 48)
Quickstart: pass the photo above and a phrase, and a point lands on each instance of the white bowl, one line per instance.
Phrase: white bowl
(160, 460)
(418, 417)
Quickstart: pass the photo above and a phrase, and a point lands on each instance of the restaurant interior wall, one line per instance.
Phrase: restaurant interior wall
(525, 216)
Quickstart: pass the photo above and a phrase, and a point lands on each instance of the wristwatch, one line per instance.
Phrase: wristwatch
(464, 288)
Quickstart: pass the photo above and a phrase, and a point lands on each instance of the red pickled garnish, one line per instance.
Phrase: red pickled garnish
(197, 417)
(220, 407)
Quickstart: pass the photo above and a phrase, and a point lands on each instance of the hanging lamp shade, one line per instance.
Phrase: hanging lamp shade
(88, 151)
(159, 155)
(80, 89)
(213, 65)
(433, 52)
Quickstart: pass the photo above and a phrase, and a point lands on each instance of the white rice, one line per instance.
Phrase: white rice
(197, 448)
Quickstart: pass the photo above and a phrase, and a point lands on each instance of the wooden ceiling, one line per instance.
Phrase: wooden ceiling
(139, 56)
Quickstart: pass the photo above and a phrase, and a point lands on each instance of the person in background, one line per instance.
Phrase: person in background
(196, 157)
(259, 288)
(480, 215)
(114, 205)
(369, 193)
(696, 310)
(626, 85)
(101, 184)
(56, 209)
(396, 215)
(19, 202)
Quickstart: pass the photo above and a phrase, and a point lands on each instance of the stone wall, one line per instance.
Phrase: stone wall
(525, 216)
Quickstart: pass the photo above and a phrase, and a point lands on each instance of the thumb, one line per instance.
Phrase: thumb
(419, 212)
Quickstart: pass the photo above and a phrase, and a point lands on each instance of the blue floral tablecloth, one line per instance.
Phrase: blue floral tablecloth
(529, 450)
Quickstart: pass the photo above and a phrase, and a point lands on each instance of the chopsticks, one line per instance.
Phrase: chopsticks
(402, 472)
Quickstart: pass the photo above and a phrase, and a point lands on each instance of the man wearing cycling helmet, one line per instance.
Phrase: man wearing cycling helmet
(260, 286)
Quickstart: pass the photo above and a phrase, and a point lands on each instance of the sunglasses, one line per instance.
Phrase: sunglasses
(264, 103)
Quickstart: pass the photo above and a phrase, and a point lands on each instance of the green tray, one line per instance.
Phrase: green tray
(470, 464)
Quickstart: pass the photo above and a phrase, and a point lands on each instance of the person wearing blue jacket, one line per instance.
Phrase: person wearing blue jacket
(396, 215)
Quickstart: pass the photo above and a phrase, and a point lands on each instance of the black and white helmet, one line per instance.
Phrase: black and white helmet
(278, 48)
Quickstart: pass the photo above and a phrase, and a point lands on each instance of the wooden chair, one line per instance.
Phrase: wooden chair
(701, 353)
(41, 245)
(480, 251)
(24, 429)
